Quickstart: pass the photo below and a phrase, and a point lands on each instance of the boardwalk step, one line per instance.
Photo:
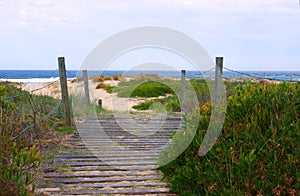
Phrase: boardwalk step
(104, 154)
(117, 185)
(106, 168)
(116, 163)
(99, 174)
(68, 160)
(120, 191)
(108, 179)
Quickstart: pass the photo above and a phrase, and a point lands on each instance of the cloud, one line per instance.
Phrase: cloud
(231, 6)
(81, 24)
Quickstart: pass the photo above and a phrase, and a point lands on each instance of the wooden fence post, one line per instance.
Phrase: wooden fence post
(86, 87)
(183, 74)
(64, 90)
(218, 79)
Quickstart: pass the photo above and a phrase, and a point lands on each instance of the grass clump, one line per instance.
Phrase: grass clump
(117, 77)
(60, 127)
(170, 103)
(107, 78)
(102, 85)
(101, 78)
(110, 89)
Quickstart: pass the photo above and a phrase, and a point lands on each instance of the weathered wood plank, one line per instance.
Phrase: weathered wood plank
(106, 168)
(101, 174)
(120, 191)
(108, 179)
(116, 163)
(118, 185)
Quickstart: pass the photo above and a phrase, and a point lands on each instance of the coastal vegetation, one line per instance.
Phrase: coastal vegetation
(24, 137)
(258, 151)
(256, 154)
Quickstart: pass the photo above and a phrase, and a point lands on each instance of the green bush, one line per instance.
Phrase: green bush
(18, 168)
(110, 89)
(257, 153)
(143, 89)
(172, 103)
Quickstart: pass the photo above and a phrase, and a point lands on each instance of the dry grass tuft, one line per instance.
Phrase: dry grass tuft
(107, 78)
(102, 85)
(100, 78)
(117, 77)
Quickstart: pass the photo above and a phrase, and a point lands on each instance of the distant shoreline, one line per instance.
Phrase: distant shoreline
(41, 76)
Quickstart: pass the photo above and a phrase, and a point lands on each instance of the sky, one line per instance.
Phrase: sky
(249, 34)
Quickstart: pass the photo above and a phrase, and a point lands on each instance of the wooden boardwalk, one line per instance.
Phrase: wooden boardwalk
(113, 161)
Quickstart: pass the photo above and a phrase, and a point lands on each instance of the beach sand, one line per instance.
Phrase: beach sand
(109, 101)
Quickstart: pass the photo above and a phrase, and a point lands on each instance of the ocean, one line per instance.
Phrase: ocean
(41, 76)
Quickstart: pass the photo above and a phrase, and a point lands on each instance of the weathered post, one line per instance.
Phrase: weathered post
(86, 87)
(218, 79)
(182, 89)
(64, 90)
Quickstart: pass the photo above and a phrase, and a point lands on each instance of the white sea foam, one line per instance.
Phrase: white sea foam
(31, 80)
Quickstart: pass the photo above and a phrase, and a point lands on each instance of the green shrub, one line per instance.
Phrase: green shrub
(18, 167)
(144, 106)
(258, 152)
(110, 89)
(145, 89)
(172, 103)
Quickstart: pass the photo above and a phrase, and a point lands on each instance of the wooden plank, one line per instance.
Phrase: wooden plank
(114, 163)
(134, 137)
(106, 168)
(101, 174)
(109, 179)
(118, 185)
(120, 191)
(121, 158)
(109, 154)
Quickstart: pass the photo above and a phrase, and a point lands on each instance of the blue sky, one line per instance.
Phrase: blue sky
(250, 34)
